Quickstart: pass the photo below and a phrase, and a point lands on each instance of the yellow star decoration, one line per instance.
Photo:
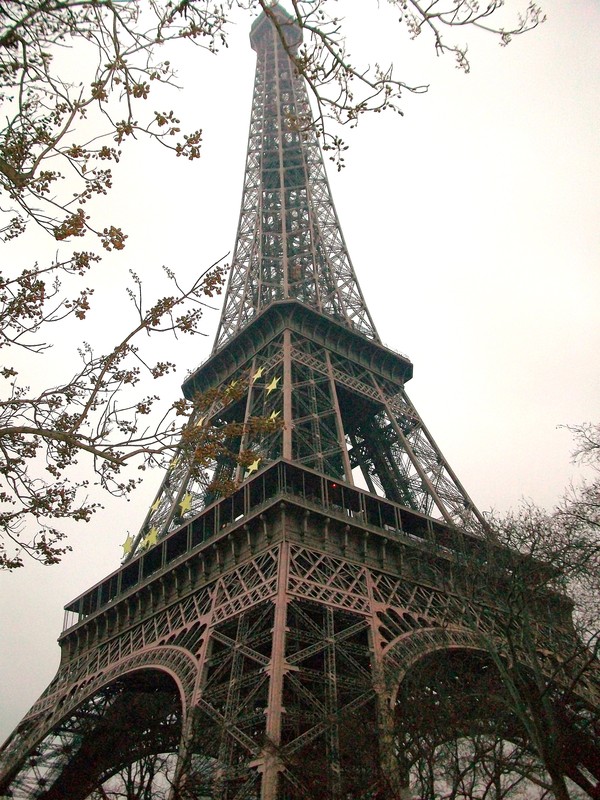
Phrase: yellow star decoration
(254, 465)
(155, 505)
(127, 545)
(186, 503)
(151, 538)
(273, 385)
(257, 374)
(273, 415)
(200, 422)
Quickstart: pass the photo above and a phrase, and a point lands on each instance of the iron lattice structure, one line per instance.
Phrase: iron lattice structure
(265, 639)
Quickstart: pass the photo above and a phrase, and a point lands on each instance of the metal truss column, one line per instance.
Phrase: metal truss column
(333, 737)
(232, 700)
(338, 422)
(416, 463)
(240, 469)
(394, 780)
(270, 764)
(179, 788)
(287, 394)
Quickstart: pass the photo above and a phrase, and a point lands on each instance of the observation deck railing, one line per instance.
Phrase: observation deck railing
(278, 481)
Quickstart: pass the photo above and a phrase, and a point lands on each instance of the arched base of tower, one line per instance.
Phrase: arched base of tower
(134, 718)
(301, 654)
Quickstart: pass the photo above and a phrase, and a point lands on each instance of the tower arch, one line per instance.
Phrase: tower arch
(127, 714)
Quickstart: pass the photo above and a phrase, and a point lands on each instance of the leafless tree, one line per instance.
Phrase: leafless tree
(546, 638)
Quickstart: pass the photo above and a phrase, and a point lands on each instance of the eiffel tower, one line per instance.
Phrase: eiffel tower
(261, 640)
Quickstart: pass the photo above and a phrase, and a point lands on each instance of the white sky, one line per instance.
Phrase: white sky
(472, 223)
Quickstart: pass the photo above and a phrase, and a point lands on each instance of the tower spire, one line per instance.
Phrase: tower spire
(289, 242)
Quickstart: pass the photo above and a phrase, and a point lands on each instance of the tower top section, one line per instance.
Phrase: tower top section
(289, 244)
(286, 26)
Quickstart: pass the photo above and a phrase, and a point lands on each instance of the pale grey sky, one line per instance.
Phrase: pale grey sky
(472, 223)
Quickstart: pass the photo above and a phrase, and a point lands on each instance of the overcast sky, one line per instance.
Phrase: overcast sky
(472, 223)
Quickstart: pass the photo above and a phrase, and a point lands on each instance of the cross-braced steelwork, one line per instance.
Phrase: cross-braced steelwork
(289, 242)
(296, 333)
(271, 643)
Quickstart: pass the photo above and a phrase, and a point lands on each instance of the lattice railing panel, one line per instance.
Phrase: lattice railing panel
(247, 585)
(322, 578)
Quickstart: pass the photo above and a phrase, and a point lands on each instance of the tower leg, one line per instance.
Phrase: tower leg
(394, 776)
(178, 790)
(270, 765)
